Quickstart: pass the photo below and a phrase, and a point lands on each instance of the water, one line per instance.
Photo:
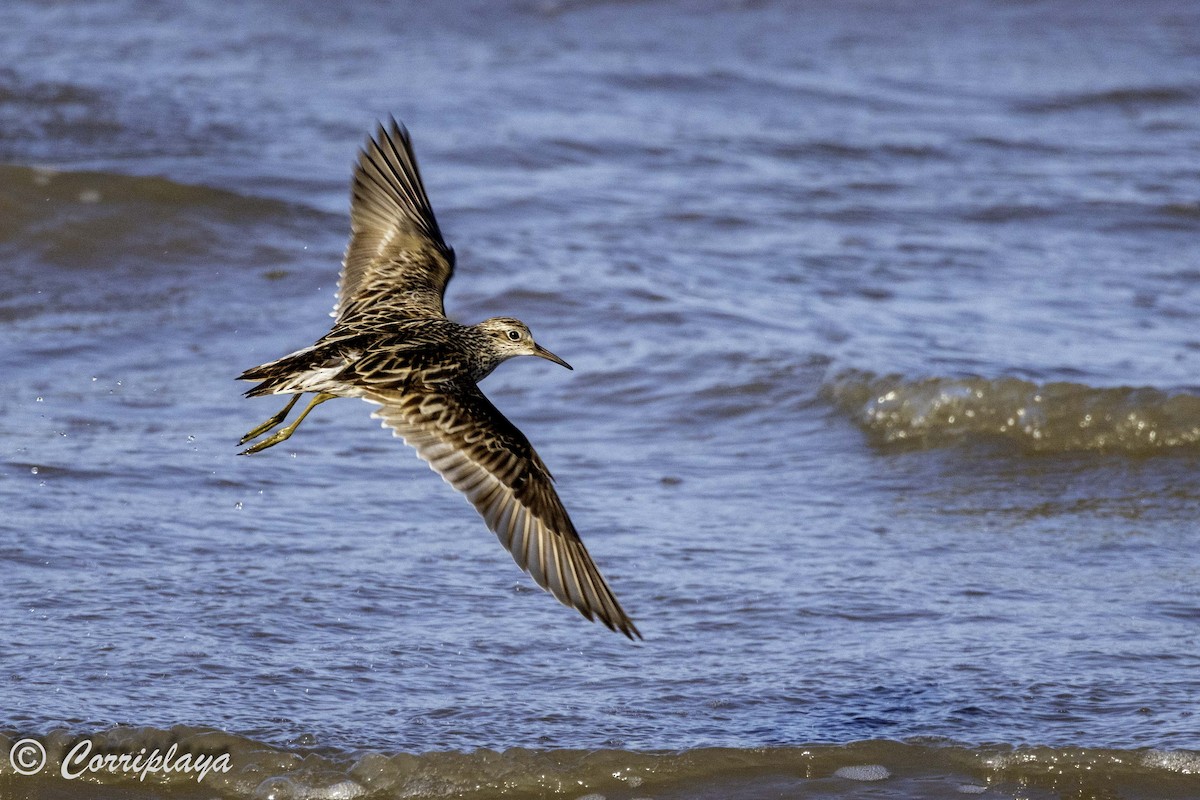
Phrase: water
(884, 424)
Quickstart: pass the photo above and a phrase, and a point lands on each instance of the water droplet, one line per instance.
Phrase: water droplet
(39, 399)
(191, 439)
(33, 470)
(238, 505)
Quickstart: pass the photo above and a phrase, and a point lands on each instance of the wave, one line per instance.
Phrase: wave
(1058, 417)
(1121, 97)
(185, 760)
(95, 261)
(141, 241)
(81, 218)
(1103, 215)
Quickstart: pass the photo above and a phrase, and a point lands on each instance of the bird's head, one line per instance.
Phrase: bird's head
(511, 337)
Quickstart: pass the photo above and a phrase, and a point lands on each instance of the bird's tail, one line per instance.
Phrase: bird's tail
(306, 370)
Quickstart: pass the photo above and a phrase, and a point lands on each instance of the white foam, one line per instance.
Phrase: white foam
(863, 772)
(1183, 762)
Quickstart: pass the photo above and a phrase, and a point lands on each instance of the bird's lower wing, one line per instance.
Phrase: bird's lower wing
(475, 449)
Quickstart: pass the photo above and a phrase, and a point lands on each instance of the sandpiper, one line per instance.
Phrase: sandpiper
(392, 345)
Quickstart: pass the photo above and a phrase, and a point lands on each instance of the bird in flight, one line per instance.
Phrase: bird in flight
(392, 345)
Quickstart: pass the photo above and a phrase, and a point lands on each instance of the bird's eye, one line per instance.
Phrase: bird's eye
(514, 335)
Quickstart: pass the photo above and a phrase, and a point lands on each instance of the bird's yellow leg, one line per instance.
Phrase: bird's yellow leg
(283, 433)
(272, 422)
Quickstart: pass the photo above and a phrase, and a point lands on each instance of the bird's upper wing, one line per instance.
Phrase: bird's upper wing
(396, 256)
(466, 440)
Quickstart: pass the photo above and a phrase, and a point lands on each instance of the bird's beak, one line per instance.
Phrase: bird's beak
(542, 352)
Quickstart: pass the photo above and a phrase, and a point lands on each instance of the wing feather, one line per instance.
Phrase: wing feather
(396, 257)
(466, 440)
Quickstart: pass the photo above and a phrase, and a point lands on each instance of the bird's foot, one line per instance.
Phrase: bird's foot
(254, 433)
(270, 441)
(283, 433)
